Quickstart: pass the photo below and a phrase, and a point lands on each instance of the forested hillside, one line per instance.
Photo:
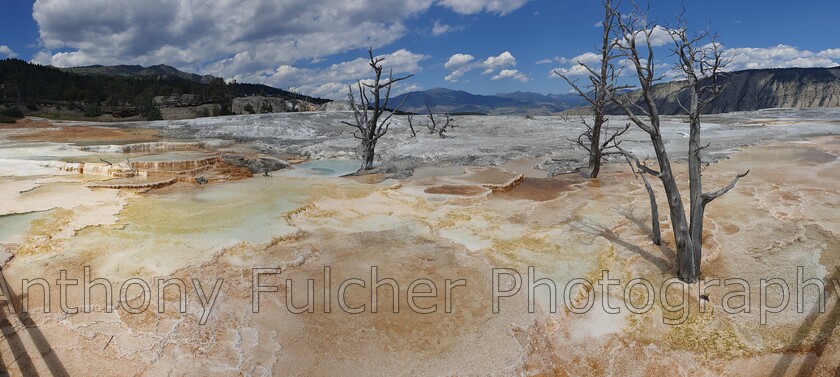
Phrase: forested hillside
(23, 83)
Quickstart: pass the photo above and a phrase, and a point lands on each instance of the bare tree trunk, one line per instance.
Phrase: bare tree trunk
(695, 176)
(367, 155)
(686, 269)
(656, 234)
(700, 63)
(595, 146)
(410, 117)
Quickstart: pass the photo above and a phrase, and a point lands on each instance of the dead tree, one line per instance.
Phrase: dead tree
(599, 93)
(410, 117)
(371, 122)
(447, 124)
(700, 65)
(641, 58)
(432, 125)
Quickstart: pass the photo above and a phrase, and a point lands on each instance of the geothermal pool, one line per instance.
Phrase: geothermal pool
(272, 275)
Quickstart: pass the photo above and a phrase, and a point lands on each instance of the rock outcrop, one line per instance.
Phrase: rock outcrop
(262, 105)
(758, 89)
(256, 165)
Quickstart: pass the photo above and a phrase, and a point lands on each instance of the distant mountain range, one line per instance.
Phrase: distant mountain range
(442, 100)
(160, 70)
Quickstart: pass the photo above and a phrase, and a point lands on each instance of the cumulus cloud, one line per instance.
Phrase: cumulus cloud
(493, 63)
(331, 82)
(833, 53)
(7, 52)
(476, 6)
(460, 64)
(659, 37)
(227, 38)
(781, 56)
(511, 74)
(574, 68)
(195, 33)
(741, 58)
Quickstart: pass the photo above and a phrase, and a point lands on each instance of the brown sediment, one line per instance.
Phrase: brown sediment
(228, 172)
(134, 184)
(370, 179)
(176, 166)
(77, 134)
(539, 189)
(26, 124)
(460, 190)
(492, 178)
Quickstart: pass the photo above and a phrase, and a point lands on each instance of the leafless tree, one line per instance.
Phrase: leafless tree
(371, 120)
(701, 64)
(410, 118)
(599, 93)
(432, 125)
(447, 124)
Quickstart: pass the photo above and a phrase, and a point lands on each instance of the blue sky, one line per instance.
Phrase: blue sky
(315, 46)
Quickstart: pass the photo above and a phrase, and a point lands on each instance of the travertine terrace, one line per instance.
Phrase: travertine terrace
(443, 210)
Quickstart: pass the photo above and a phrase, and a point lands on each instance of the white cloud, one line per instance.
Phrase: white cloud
(332, 81)
(439, 28)
(511, 74)
(781, 56)
(574, 68)
(460, 64)
(659, 37)
(458, 60)
(193, 34)
(476, 6)
(833, 53)
(8, 52)
(544, 61)
(504, 60)
(228, 38)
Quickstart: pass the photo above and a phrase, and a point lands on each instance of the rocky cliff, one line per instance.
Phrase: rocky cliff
(759, 89)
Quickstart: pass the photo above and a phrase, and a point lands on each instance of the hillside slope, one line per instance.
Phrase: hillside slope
(758, 89)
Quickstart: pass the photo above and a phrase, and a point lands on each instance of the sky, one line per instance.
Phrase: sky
(318, 47)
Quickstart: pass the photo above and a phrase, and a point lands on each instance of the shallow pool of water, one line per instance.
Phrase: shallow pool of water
(12, 227)
(160, 233)
(328, 168)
